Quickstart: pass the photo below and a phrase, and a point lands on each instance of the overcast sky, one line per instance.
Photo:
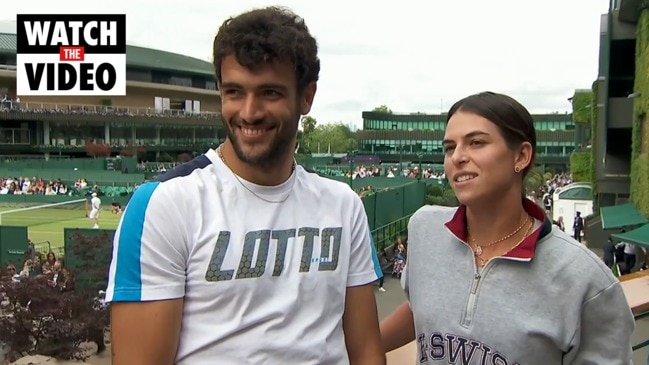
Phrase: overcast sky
(412, 55)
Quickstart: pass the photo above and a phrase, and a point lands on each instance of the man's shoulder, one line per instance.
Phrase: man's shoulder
(185, 170)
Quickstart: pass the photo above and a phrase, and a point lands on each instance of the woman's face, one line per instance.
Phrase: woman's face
(478, 162)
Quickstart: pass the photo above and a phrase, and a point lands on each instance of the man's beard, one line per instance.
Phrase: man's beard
(279, 147)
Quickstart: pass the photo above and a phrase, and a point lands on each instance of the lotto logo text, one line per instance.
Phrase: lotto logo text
(71, 55)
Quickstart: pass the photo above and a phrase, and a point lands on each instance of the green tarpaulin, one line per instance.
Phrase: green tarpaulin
(624, 215)
(639, 236)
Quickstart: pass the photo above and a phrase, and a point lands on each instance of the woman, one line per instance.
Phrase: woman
(491, 282)
(399, 259)
(49, 263)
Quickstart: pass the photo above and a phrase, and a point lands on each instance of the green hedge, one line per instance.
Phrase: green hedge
(640, 158)
(580, 166)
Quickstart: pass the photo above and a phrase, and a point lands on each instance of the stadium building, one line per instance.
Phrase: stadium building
(172, 106)
(615, 97)
(418, 137)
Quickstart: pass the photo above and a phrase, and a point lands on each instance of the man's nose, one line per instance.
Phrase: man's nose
(252, 109)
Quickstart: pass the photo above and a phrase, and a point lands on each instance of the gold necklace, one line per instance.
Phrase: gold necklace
(220, 154)
(478, 248)
(481, 261)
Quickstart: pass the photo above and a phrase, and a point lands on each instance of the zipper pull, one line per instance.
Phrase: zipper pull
(476, 281)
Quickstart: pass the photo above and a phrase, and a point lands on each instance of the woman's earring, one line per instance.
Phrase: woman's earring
(517, 169)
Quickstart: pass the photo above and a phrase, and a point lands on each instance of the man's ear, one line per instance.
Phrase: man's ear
(306, 100)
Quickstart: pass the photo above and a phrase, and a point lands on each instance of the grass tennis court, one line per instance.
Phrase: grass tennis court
(47, 224)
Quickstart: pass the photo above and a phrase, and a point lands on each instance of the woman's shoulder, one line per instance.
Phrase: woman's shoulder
(434, 212)
(563, 254)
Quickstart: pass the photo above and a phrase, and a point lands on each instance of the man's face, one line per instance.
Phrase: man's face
(261, 110)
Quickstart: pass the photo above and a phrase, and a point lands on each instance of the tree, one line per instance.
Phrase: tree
(533, 181)
(131, 151)
(308, 127)
(382, 109)
(334, 138)
(308, 124)
(96, 150)
(444, 196)
(184, 157)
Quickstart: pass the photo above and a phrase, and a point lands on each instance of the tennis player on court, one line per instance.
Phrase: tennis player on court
(241, 256)
(95, 207)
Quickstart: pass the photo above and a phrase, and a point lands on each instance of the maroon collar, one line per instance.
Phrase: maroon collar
(525, 251)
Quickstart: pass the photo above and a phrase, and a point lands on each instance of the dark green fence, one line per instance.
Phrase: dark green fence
(391, 205)
(68, 164)
(92, 176)
(387, 235)
(13, 245)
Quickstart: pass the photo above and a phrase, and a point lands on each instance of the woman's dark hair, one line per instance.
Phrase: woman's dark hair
(267, 35)
(515, 123)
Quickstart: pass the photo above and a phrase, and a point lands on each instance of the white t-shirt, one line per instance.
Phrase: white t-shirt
(95, 203)
(260, 284)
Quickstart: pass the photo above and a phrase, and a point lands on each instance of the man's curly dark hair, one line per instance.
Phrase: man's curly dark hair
(267, 35)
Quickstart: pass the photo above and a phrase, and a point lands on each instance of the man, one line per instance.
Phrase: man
(547, 201)
(240, 256)
(630, 255)
(116, 207)
(578, 226)
(609, 252)
(95, 206)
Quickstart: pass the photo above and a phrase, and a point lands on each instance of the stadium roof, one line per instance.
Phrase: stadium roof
(7, 43)
(139, 57)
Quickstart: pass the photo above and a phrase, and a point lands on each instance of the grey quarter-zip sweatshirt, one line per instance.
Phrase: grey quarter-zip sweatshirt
(549, 301)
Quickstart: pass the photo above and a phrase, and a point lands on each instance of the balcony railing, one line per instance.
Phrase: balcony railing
(120, 111)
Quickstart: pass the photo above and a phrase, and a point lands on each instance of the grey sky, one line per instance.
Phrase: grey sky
(412, 55)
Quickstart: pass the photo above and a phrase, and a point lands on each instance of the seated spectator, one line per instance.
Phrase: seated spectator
(49, 264)
(67, 281)
(28, 269)
(55, 277)
(11, 274)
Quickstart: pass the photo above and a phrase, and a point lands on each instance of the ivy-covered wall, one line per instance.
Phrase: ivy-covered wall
(582, 102)
(640, 139)
(593, 144)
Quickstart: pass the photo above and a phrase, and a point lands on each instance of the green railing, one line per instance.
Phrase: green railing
(387, 235)
(45, 247)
